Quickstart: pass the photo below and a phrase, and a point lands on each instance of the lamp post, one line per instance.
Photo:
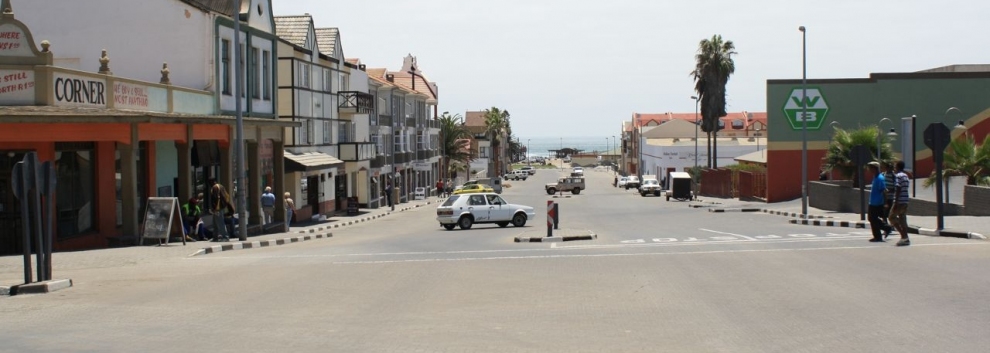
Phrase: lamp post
(696, 101)
(804, 121)
(239, 144)
(757, 134)
(615, 158)
(529, 157)
(892, 133)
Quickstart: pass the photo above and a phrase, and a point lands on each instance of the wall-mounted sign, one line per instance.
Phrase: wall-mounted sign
(128, 96)
(75, 90)
(13, 41)
(16, 87)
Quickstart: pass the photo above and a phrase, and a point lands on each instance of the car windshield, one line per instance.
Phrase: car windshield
(650, 182)
(450, 201)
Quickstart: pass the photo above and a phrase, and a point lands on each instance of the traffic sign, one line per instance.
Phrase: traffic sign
(813, 106)
(937, 137)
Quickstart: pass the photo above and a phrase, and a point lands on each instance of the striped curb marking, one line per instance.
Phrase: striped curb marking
(847, 224)
(259, 244)
(555, 239)
(722, 210)
(946, 233)
(794, 214)
(40, 287)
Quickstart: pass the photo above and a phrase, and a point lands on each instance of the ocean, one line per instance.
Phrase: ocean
(541, 146)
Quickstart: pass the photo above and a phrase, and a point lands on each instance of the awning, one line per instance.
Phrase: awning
(310, 161)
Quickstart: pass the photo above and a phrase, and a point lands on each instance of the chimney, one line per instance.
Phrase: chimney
(390, 77)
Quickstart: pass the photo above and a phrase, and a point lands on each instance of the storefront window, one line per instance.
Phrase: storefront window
(75, 182)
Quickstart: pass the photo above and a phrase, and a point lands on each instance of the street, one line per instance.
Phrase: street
(660, 277)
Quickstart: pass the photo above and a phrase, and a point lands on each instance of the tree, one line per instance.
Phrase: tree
(965, 157)
(455, 140)
(496, 126)
(713, 66)
(837, 155)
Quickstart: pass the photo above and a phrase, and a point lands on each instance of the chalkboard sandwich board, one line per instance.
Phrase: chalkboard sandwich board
(162, 220)
(352, 206)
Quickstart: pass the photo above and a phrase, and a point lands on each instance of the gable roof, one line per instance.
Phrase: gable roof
(474, 118)
(326, 40)
(225, 7)
(417, 82)
(294, 29)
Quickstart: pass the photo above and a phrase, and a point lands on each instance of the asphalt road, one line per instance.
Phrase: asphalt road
(660, 277)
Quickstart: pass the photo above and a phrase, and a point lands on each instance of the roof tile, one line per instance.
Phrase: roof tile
(294, 29)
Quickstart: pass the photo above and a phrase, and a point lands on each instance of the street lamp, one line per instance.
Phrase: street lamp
(696, 101)
(892, 134)
(615, 158)
(804, 122)
(757, 134)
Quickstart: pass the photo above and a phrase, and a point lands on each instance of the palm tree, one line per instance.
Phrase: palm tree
(455, 140)
(837, 155)
(711, 73)
(964, 157)
(496, 125)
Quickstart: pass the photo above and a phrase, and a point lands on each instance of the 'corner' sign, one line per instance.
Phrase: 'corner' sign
(73, 90)
(813, 106)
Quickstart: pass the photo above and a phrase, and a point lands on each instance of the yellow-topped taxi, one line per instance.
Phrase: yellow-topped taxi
(473, 188)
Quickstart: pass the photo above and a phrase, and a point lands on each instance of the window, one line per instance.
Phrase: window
(342, 79)
(476, 200)
(397, 143)
(419, 140)
(327, 131)
(76, 179)
(327, 81)
(303, 79)
(266, 72)
(255, 82)
(225, 65)
(302, 133)
(482, 152)
(738, 124)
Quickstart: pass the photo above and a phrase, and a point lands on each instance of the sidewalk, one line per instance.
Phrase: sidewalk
(792, 210)
(12, 267)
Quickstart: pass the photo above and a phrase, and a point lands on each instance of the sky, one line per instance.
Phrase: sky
(577, 68)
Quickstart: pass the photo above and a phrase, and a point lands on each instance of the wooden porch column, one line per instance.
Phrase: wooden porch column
(254, 177)
(185, 166)
(128, 185)
(278, 159)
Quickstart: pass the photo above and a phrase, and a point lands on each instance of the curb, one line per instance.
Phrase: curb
(700, 206)
(723, 210)
(846, 224)
(794, 215)
(946, 233)
(591, 236)
(41, 287)
(258, 244)
(4, 291)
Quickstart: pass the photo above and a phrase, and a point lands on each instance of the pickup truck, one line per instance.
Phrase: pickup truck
(572, 184)
(650, 186)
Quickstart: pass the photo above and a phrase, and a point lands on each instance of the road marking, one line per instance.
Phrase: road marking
(686, 243)
(732, 234)
(709, 252)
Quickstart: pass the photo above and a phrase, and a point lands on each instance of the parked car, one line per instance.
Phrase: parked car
(577, 172)
(572, 184)
(528, 169)
(650, 187)
(622, 182)
(466, 210)
(473, 188)
(494, 183)
(517, 175)
(632, 183)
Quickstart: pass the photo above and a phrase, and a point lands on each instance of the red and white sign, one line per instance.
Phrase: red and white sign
(129, 96)
(13, 41)
(17, 87)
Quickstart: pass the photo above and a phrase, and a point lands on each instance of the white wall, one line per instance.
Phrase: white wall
(682, 156)
(138, 39)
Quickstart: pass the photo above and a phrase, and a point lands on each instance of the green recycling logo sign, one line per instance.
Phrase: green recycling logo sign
(813, 106)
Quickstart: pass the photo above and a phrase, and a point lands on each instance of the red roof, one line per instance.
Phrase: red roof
(643, 119)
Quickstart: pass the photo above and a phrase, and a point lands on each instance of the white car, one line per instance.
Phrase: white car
(622, 182)
(530, 170)
(467, 209)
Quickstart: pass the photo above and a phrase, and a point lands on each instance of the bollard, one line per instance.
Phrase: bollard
(550, 218)
(556, 215)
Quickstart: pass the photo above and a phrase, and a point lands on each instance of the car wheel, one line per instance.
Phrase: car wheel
(503, 224)
(551, 191)
(465, 222)
(643, 194)
(519, 220)
(657, 194)
(576, 191)
(449, 226)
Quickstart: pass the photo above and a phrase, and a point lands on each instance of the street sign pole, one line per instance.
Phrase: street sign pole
(937, 138)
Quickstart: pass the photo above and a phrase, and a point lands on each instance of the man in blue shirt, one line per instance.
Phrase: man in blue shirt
(877, 201)
(268, 205)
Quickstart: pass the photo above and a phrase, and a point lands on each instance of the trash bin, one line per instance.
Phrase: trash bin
(420, 193)
(396, 191)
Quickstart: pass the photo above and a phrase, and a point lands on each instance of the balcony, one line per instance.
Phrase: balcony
(422, 155)
(354, 102)
(411, 122)
(384, 120)
(357, 151)
(379, 161)
(400, 158)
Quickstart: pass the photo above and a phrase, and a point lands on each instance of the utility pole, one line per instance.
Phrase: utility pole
(239, 144)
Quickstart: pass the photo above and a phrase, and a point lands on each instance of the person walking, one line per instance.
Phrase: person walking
(268, 205)
(440, 188)
(898, 211)
(290, 207)
(223, 211)
(889, 192)
(388, 195)
(875, 212)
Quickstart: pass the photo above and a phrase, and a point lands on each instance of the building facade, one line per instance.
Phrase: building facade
(117, 140)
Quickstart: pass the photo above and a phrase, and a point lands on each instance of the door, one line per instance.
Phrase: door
(340, 191)
(313, 193)
(497, 209)
(11, 239)
(478, 207)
